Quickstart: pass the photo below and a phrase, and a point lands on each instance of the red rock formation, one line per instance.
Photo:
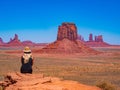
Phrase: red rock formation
(14, 42)
(97, 42)
(67, 30)
(16, 37)
(1, 41)
(67, 42)
(28, 43)
(18, 81)
(90, 37)
(98, 38)
(80, 38)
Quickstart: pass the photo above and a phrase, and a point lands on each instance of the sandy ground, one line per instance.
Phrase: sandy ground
(84, 68)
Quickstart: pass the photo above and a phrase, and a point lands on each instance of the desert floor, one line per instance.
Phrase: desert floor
(86, 69)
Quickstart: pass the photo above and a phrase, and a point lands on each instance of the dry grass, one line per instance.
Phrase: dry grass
(106, 85)
(84, 69)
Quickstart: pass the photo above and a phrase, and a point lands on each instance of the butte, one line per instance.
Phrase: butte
(67, 42)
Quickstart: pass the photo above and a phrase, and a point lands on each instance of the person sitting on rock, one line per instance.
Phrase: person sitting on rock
(27, 61)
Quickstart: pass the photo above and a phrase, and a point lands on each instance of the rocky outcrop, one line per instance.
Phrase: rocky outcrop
(18, 81)
(1, 41)
(28, 43)
(99, 38)
(91, 38)
(96, 42)
(14, 42)
(80, 38)
(67, 42)
(67, 30)
(68, 47)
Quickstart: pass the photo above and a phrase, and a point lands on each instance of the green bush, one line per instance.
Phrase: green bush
(106, 86)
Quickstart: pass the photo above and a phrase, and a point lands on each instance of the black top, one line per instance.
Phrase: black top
(26, 67)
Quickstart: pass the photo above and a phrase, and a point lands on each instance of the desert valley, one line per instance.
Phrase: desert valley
(93, 64)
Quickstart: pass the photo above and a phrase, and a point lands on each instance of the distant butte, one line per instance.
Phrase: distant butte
(67, 37)
(67, 42)
(17, 43)
(28, 43)
(14, 42)
(96, 42)
(1, 41)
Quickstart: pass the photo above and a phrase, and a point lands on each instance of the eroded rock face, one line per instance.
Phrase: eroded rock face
(28, 43)
(99, 38)
(90, 37)
(14, 42)
(80, 38)
(67, 42)
(18, 81)
(1, 41)
(67, 30)
(16, 37)
(96, 42)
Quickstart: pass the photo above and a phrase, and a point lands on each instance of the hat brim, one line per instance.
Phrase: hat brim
(26, 50)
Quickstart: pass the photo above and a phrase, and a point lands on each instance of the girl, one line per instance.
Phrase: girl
(27, 61)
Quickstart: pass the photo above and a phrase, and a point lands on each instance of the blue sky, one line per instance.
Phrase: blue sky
(38, 20)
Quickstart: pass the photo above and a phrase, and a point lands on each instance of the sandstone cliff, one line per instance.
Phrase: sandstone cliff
(67, 42)
(96, 42)
(67, 30)
(14, 42)
(1, 41)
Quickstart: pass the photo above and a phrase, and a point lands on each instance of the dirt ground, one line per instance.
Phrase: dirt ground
(86, 69)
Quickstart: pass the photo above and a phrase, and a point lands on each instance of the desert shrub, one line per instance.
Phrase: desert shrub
(106, 86)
